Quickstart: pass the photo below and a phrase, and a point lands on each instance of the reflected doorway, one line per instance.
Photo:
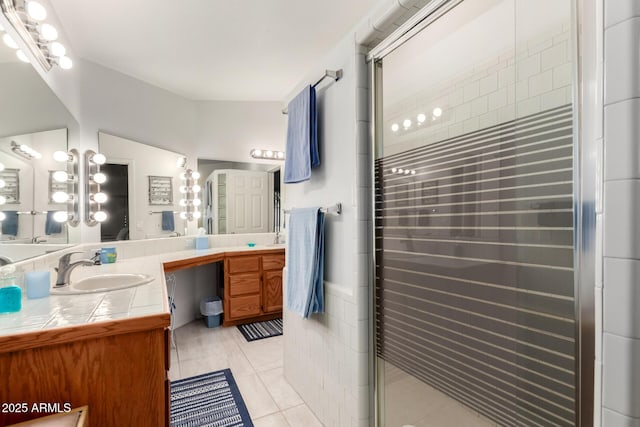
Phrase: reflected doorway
(116, 227)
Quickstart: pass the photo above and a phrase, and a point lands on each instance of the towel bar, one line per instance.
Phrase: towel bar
(335, 209)
(159, 212)
(334, 74)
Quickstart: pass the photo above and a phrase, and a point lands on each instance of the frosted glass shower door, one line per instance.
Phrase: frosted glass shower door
(474, 220)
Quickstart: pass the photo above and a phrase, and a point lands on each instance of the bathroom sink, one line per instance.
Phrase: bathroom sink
(104, 283)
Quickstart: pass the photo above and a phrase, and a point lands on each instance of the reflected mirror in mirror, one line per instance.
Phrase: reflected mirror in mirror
(142, 188)
(30, 115)
(240, 197)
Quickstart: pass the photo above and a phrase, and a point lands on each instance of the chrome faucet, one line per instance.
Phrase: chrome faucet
(38, 239)
(65, 267)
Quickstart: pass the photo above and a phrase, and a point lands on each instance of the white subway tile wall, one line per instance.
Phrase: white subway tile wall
(621, 231)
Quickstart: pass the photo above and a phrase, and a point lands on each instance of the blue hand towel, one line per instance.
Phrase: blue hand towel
(10, 223)
(305, 262)
(302, 137)
(168, 223)
(51, 226)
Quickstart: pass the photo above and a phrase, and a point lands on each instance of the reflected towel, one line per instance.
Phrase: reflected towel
(10, 223)
(51, 226)
(302, 137)
(168, 223)
(305, 262)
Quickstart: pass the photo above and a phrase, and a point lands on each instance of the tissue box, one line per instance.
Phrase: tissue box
(202, 242)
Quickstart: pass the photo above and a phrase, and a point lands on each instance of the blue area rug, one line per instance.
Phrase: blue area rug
(260, 330)
(205, 400)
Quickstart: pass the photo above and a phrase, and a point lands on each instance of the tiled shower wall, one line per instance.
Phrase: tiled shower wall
(621, 228)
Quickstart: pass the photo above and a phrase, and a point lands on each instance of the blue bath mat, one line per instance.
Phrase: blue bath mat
(205, 400)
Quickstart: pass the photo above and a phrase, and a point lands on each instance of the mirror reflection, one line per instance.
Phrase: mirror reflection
(240, 197)
(33, 125)
(143, 190)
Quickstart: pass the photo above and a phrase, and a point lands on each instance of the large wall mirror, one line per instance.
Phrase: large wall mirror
(33, 125)
(143, 186)
(240, 197)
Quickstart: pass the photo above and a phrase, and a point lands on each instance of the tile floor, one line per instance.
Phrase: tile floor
(256, 367)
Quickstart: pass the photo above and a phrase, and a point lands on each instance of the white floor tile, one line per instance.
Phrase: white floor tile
(283, 394)
(274, 420)
(258, 400)
(300, 416)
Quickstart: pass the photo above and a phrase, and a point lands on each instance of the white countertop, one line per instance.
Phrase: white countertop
(57, 311)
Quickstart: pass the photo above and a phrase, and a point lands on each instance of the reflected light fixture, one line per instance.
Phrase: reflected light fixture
(258, 153)
(437, 112)
(190, 200)
(395, 127)
(93, 213)
(27, 19)
(25, 151)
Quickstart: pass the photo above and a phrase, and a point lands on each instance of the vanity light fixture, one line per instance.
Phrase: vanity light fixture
(72, 215)
(421, 118)
(257, 153)
(181, 162)
(26, 18)
(437, 112)
(25, 151)
(93, 196)
(190, 200)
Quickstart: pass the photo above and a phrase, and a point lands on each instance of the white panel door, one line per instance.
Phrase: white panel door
(247, 202)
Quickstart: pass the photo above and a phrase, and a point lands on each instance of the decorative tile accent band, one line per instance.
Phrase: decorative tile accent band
(474, 274)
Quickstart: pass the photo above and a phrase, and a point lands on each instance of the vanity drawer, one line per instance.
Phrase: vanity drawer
(273, 262)
(242, 284)
(243, 264)
(245, 306)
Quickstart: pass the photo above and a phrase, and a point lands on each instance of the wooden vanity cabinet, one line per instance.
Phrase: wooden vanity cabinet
(253, 287)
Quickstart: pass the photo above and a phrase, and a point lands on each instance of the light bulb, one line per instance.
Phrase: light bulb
(61, 176)
(36, 11)
(413, 172)
(182, 189)
(395, 127)
(196, 202)
(1, 167)
(48, 32)
(100, 216)
(57, 49)
(3, 200)
(407, 172)
(99, 178)
(195, 175)
(406, 123)
(183, 215)
(60, 197)
(197, 214)
(183, 202)
(181, 161)
(196, 188)
(257, 152)
(9, 41)
(22, 57)
(280, 155)
(268, 153)
(2, 183)
(100, 197)
(61, 156)
(60, 216)
(2, 216)
(99, 158)
(394, 170)
(437, 112)
(421, 118)
(65, 62)
(400, 171)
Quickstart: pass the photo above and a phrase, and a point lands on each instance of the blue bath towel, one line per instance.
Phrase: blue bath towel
(10, 223)
(305, 262)
(168, 223)
(51, 226)
(302, 137)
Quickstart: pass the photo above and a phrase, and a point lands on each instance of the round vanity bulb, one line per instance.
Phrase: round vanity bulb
(196, 202)
(421, 118)
(36, 11)
(2, 216)
(280, 155)
(395, 127)
(182, 189)
(406, 123)
(60, 197)
(195, 175)
(257, 153)
(22, 57)
(3, 200)
(61, 176)
(183, 215)
(437, 112)
(268, 153)
(183, 202)
(65, 63)
(100, 197)
(196, 188)
(99, 178)
(99, 159)
(57, 49)
(9, 41)
(48, 32)
(2, 183)
(1, 167)
(60, 216)
(394, 170)
(197, 214)
(61, 156)
(100, 216)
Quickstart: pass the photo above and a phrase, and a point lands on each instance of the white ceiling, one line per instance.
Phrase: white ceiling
(210, 49)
